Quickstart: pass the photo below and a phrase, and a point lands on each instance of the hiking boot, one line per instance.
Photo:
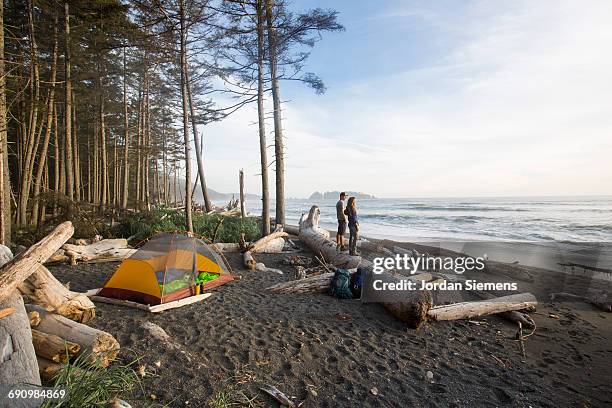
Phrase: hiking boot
(343, 248)
(338, 248)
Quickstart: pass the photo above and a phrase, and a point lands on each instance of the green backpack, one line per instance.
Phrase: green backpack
(340, 285)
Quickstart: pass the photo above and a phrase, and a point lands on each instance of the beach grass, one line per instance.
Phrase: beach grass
(88, 385)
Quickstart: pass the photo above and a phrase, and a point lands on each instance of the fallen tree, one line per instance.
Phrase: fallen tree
(317, 239)
(42, 288)
(23, 265)
(269, 243)
(17, 357)
(53, 347)
(101, 251)
(96, 345)
(468, 310)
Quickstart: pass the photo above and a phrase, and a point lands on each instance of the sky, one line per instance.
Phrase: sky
(442, 99)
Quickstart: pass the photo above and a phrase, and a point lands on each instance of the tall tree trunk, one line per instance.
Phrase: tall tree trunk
(126, 138)
(68, 150)
(263, 154)
(278, 127)
(5, 185)
(185, 102)
(77, 153)
(42, 162)
(198, 141)
(31, 141)
(56, 161)
(104, 175)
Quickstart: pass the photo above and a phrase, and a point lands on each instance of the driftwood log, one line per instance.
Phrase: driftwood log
(41, 288)
(415, 304)
(226, 246)
(512, 315)
(468, 310)
(96, 345)
(268, 243)
(49, 369)
(317, 239)
(23, 265)
(53, 347)
(101, 251)
(17, 357)
(249, 261)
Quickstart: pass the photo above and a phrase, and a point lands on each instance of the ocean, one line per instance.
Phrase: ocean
(517, 219)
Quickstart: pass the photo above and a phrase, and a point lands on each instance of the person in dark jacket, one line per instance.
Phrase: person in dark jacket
(341, 222)
(353, 224)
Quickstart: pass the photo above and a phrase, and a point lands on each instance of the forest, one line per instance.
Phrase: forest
(104, 104)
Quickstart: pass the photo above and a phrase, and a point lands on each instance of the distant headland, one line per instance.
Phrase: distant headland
(334, 194)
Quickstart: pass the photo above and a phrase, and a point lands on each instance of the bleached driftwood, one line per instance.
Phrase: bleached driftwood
(269, 243)
(53, 347)
(468, 310)
(512, 315)
(96, 345)
(415, 304)
(263, 268)
(227, 246)
(101, 251)
(249, 261)
(23, 265)
(317, 239)
(17, 357)
(42, 288)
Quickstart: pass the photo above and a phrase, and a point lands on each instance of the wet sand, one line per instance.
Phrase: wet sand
(325, 352)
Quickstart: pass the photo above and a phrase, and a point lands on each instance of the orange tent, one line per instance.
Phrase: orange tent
(165, 269)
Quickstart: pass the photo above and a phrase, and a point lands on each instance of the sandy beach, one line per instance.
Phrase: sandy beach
(325, 352)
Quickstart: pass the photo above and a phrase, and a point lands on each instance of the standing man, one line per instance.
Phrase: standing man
(341, 222)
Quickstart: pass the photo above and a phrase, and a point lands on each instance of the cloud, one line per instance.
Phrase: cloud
(517, 104)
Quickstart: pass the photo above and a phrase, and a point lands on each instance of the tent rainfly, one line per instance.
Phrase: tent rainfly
(167, 268)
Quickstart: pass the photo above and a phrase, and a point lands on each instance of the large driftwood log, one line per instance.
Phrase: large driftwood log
(41, 288)
(269, 242)
(96, 345)
(415, 304)
(23, 265)
(53, 347)
(101, 251)
(317, 239)
(512, 315)
(17, 357)
(468, 310)
(226, 246)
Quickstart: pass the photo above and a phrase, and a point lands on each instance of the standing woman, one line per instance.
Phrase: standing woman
(353, 224)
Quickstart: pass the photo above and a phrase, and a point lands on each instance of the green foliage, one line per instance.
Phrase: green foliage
(143, 225)
(89, 385)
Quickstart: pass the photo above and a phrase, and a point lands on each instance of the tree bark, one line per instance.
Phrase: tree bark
(126, 138)
(68, 107)
(96, 345)
(18, 363)
(23, 265)
(5, 186)
(185, 102)
(42, 162)
(261, 116)
(278, 127)
(43, 289)
(241, 182)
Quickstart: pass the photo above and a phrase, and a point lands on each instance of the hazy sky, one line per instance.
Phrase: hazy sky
(457, 98)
